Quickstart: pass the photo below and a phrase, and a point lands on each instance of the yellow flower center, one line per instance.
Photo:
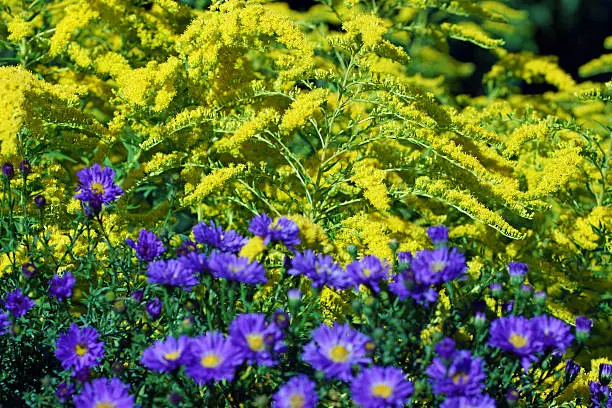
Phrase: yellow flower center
(382, 390)
(517, 341)
(297, 401)
(366, 272)
(460, 378)
(80, 349)
(339, 354)
(173, 355)
(97, 188)
(210, 360)
(105, 404)
(234, 269)
(437, 266)
(255, 341)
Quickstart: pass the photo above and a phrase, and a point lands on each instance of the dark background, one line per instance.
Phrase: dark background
(573, 30)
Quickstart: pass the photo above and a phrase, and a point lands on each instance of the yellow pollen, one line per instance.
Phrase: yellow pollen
(234, 269)
(382, 390)
(210, 361)
(97, 188)
(339, 354)
(105, 404)
(367, 272)
(460, 378)
(173, 355)
(255, 341)
(297, 401)
(80, 349)
(517, 341)
(437, 266)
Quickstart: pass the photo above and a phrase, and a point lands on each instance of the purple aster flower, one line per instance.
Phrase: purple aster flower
(281, 319)
(334, 350)
(5, 322)
(438, 234)
(40, 201)
(186, 247)
(104, 393)
(439, 265)
(480, 401)
(572, 369)
(97, 187)
(601, 395)
(166, 356)
(446, 348)
(213, 235)
(148, 246)
(368, 271)
(29, 270)
(171, 273)
(517, 335)
(404, 285)
(60, 287)
(195, 261)
(64, 392)
(17, 303)
(299, 392)
(25, 167)
(8, 170)
(213, 358)
(256, 340)
(137, 295)
(553, 332)
(605, 373)
(381, 387)
(154, 308)
(321, 269)
(283, 230)
(526, 289)
(232, 267)
(464, 375)
(583, 327)
(79, 348)
(512, 396)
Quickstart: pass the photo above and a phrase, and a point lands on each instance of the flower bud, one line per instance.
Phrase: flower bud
(119, 306)
(480, 320)
(517, 271)
(294, 296)
(40, 201)
(8, 170)
(137, 295)
(605, 373)
(571, 371)
(496, 289)
(583, 328)
(540, 298)
(25, 167)
(154, 308)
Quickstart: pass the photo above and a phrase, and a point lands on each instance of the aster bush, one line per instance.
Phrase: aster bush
(233, 203)
(220, 317)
